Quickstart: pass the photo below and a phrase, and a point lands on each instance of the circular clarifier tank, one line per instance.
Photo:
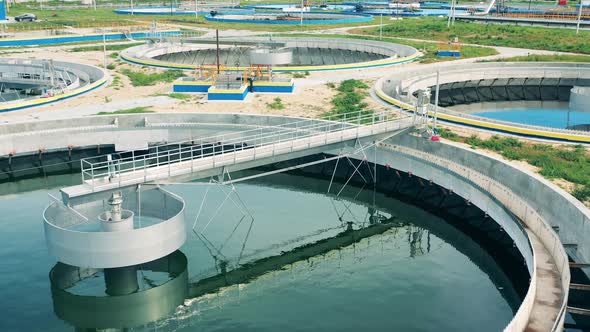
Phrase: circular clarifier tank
(29, 82)
(303, 54)
(291, 18)
(416, 260)
(186, 10)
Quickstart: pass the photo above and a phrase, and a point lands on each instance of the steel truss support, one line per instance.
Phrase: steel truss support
(230, 195)
(359, 151)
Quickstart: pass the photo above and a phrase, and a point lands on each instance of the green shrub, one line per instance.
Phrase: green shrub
(571, 163)
(448, 134)
(128, 111)
(277, 104)
(582, 193)
(142, 79)
(181, 96)
(350, 99)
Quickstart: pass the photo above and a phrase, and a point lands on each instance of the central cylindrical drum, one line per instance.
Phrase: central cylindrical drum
(580, 99)
(267, 56)
(114, 223)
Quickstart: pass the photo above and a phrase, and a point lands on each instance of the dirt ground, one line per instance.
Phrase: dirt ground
(308, 100)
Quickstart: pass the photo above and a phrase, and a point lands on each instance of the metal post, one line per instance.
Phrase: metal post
(92, 174)
(301, 18)
(579, 19)
(454, 12)
(451, 13)
(381, 27)
(197, 9)
(217, 42)
(82, 168)
(139, 203)
(131, 7)
(436, 100)
(104, 49)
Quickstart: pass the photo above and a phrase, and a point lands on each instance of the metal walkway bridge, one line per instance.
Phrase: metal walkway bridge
(262, 145)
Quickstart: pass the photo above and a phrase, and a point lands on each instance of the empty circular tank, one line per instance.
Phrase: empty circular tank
(307, 54)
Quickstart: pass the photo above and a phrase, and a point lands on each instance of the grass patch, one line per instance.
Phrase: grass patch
(571, 163)
(300, 74)
(349, 103)
(94, 48)
(181, 96)
(128, 111)
(116, 83)
(277, 104)
(434, 28)
(142, 79)
(546, 58)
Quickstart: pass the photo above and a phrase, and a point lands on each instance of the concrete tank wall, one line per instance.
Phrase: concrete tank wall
(580, 99)
(549, 201)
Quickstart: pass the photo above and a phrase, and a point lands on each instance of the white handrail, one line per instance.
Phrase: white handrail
(95, 168)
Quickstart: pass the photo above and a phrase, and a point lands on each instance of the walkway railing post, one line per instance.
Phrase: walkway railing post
(118, 171)
(92, 174)
(82, 168)
(192, 159)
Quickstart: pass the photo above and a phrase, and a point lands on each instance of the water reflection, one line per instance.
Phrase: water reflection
(365, 227)
(118, 299)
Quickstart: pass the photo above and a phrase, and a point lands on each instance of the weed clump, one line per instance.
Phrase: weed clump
(142, 79)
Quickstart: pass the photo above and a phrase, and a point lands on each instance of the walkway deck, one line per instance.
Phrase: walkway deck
(106, 174)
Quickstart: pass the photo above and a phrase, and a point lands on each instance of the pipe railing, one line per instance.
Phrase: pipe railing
(219, 145)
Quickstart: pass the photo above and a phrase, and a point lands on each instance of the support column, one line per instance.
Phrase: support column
(120, 280)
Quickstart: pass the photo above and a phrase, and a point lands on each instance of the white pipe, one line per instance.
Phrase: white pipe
(487, 11)
(381, 27)
(436, 99)
(301, 18)
(579, 18)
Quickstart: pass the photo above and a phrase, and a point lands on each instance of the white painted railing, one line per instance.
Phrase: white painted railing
(179, 158)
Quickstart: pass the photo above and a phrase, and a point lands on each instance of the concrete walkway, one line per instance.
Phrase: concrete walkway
(549, 293)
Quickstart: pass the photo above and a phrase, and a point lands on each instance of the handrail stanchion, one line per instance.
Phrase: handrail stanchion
(82, 168)
(192, 159)
(92, 174)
